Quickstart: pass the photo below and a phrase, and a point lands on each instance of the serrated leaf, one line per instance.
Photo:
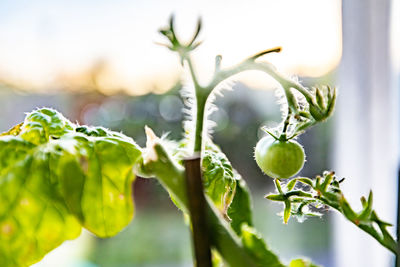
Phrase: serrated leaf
(218, 177)
(256, 246)
(240, 209)
(55, 176)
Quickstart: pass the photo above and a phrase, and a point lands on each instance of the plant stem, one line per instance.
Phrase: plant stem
(222, 237)
(192, 71)
(250, 64)
(285, 126)
(196, 204)
(201, 103)
(201, 95)
(225, 240)
(172, 177)
(382, 238)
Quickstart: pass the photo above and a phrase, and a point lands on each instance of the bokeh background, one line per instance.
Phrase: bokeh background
(98, 63)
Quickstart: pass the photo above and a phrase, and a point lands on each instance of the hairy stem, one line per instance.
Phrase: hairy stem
(192, 71)
(264, 67)
(201, 95)
(200, 117)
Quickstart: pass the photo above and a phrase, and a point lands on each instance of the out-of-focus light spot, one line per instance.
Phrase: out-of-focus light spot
(7, 229)
(90, 113)
(24, 202)
(112, 112)
(171, 108)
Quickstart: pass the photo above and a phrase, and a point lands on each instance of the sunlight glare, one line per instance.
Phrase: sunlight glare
(46, 44)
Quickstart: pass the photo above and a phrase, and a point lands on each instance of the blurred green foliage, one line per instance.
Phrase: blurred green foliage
(156, 237)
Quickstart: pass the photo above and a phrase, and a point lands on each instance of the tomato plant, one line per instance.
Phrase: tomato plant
(57, 177)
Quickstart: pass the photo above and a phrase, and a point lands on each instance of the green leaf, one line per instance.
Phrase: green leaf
(256, 246)
(240, 209)
(14, 130)
(218, 175)
(301, 263)
(347, 210)
(367, 207)
(320, 98)
(100, 194)
(287, 211)
(56, 176)
(217, 260)
(276, 197)
(290, 185)
(326, 182)
(42, 124)
(33, 217)
(226, 188)
(278, 186)
(306, 181)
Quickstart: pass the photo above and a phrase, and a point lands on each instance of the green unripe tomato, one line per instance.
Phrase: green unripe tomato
(279, 159)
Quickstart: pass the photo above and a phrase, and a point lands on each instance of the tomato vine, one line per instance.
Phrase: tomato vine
(57, 177)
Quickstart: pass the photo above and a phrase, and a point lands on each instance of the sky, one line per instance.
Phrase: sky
(46, 42)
